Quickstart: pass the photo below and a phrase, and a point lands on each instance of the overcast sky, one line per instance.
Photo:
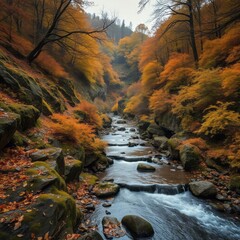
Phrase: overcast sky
(123, 9)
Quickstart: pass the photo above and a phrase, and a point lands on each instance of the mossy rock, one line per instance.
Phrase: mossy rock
(154, 129)
(89, 178)
(66, 87)
(190, 157)
(137, 226)
(8, 126)
(76, 151)
(20, 139)
(235, 183)
(53, 156)
(44, 178)
(26, 87)
(28, 114)
(160, 143)
(173, 144)
(46, 109)
(106, 189)
(53, 98)
(54, 214)
(73, 169)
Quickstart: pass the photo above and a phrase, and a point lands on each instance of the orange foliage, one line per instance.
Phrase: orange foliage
(50, 65)
(176, 61)
(160, 101)
(198, 142)
(69, 129)
(89, 113)
(134, 89)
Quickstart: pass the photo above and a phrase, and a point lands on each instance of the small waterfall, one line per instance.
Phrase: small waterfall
(166, 189)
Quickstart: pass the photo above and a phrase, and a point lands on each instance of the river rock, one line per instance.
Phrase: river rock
(190, 157)
(137, 226)
(121, 129)
(112, 227)
(106, 189)
(73, 169)
(53, 156)
(142, 167)
(131, 144)
(121, 122)
(203, 189)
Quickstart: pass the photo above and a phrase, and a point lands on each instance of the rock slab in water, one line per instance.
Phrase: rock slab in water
(106, 189)
(112, 227)
(142, 167)
(121, 122)
(203, 189)
(137, 226)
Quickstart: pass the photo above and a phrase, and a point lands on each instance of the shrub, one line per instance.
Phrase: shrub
(219, 120)
(69, 129)
(89, 114)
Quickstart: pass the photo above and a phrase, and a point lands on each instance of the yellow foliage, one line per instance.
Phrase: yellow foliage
(160, 101)
(218, 52)
(219, 120)
(150, 77)
(198, 142)
(90, 114)
(231, 81)
(137, 105)
(134, 89)
(69, 129)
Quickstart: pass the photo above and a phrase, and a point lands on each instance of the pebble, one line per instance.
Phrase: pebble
(106, 204)
(107, 212)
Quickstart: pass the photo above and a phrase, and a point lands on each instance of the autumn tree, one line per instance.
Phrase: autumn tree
(184, 10)
(56, 32)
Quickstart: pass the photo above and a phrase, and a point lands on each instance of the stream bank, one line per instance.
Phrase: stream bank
(160, 197)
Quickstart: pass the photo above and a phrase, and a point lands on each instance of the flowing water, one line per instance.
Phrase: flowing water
(160, 196)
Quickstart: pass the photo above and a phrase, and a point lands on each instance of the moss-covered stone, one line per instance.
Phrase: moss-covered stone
(73, 169)
(106, 189)
(53, 98)
(46, 109)
(8, 126)
(44, 178)
(235, 183)
(76, 151)
(19, 139)
(66, 87)
(173, 144)
(190, 157)
(28, 114)
(53, 156)
(25, 87)
(54, 214)
(89, 178)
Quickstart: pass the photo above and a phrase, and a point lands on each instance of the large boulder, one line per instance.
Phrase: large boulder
(52, 216)
(155, 130)
(28, 114)
(73, 169)
(203, 189)
(106, 189)
(137, 226)
(8, 126)
(190, 157)
(142, 167)
(173, 144)
(160, 143)
(112, 228)
(43, 178)
(143, 126)
(53, 156)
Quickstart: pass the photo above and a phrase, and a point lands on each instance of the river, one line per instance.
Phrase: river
(159, 197)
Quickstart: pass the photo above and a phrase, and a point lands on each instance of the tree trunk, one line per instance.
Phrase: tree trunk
(192, 33)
